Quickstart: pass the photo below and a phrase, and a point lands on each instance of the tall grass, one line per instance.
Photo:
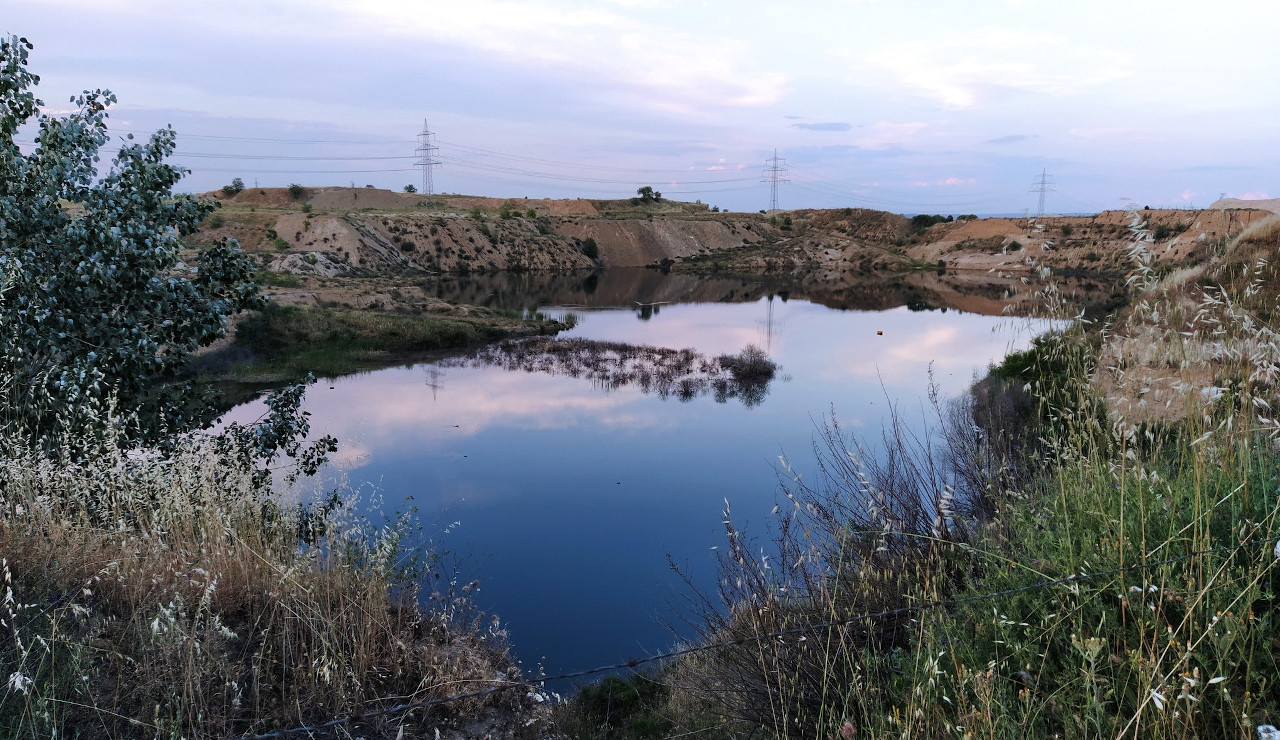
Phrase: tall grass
(173, 595)
(1046, 560)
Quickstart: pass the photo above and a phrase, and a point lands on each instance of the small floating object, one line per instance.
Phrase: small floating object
(879, 333)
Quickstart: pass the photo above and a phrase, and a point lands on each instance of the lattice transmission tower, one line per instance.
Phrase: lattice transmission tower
(427, 160)
(775, 172)
(1043, 184)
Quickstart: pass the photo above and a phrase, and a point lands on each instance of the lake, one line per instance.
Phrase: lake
(567, 497)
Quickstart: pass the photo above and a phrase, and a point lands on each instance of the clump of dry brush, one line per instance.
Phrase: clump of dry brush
(176, 594)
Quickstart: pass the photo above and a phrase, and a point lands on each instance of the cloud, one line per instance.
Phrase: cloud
(886, 134)
(1010, 139)
(659, 67)
(958, 181)
(970, 70)
(829, 126)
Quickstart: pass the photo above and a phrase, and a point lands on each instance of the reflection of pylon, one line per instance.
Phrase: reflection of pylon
(775, 173)
(434, 374)
(427, 158)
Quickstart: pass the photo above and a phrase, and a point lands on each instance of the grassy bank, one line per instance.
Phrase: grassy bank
(286, 342)
(177, 594)
(1051, 559)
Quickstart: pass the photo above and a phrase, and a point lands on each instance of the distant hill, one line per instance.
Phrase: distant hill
(1271, 204)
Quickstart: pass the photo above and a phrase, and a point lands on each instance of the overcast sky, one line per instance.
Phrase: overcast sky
(904, 105)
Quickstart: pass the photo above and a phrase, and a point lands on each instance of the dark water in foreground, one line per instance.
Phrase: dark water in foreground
(569, 495)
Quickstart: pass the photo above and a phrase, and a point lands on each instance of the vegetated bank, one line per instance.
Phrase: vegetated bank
(1084, 546)
(1071, 567)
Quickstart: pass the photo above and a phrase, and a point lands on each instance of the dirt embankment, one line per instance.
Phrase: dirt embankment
(397, 238)
(1097, 243)
(330, 231)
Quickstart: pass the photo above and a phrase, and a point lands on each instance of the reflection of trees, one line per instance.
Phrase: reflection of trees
(680, 373)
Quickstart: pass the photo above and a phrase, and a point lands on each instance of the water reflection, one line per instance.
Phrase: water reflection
(647, 291)
(572, 492)
(681, 373)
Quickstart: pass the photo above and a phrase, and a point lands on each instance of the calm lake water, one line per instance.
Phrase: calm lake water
(571, 495)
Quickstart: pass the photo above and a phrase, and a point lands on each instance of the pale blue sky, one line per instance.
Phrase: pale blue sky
(924, 106)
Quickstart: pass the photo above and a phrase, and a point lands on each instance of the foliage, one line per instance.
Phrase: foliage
(296, 191)
(590, 249)
(410, 188)
(923, 221)
(617, 707)
(99, 302)
(648, 194)
(236, 186)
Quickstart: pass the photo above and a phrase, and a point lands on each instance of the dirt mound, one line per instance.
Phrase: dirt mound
(358, 198)
(863, 224)
(1270, 204)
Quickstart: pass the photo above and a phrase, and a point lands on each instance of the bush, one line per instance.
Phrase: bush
(296, 191)
(236, 186)
(107, 318)
(590, 249)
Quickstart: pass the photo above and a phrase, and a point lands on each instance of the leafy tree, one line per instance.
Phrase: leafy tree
(295, 190)
(410, 188)
(648, 194)
(97, 301)
(236, 186)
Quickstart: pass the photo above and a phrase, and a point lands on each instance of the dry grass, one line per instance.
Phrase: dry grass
(1199, 334)
(152, 595)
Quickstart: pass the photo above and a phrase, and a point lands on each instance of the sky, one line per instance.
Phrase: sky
(910, 106)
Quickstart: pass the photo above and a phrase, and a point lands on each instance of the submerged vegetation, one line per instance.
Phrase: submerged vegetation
(683, 374)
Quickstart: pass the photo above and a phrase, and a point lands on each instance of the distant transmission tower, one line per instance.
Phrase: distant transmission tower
(1042, 185)
(427, 157)
(774, 173)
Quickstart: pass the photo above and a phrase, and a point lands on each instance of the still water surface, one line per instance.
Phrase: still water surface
(570, 497)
